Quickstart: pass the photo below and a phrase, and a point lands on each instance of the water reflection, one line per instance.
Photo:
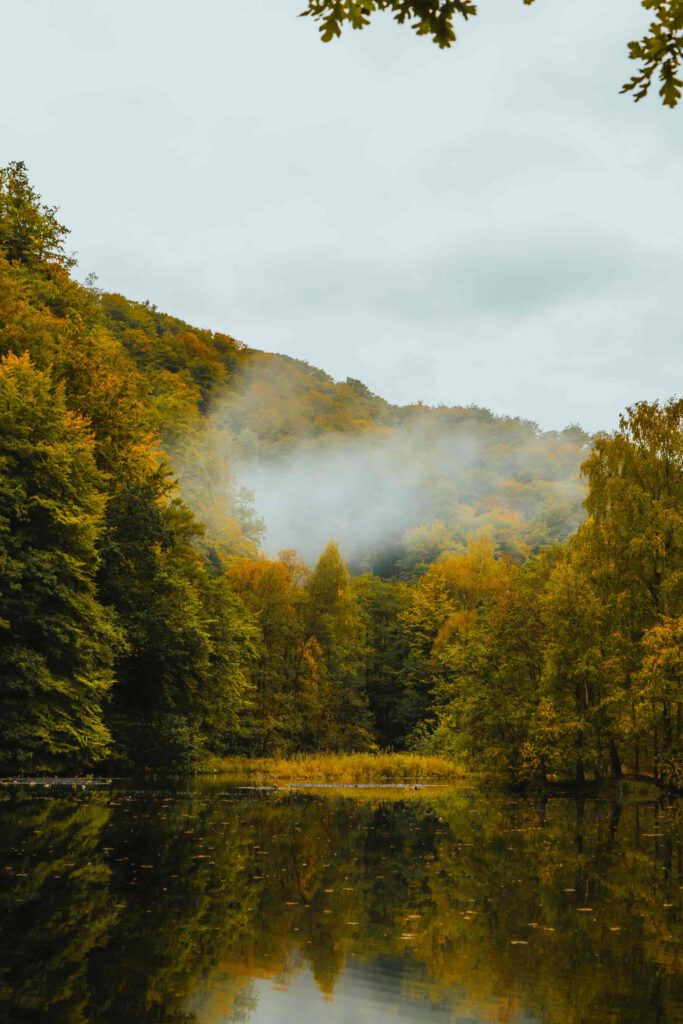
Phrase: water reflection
(218, 905)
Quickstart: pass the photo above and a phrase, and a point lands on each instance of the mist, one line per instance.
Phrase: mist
(362, 492)
(330, 461)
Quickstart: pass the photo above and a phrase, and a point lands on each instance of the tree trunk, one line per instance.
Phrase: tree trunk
(615, 816)
(580, 767)
(542, 774)
(614, 761)
(667, 734)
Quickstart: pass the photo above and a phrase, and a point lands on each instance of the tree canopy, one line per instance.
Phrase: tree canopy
(29, 229)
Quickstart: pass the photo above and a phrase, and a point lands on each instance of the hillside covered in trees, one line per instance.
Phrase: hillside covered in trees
(395, 486)
(150, 473)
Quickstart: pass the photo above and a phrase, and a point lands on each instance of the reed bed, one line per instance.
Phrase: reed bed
(343, 769)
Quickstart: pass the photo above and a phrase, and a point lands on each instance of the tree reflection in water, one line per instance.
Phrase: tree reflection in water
(223, 905)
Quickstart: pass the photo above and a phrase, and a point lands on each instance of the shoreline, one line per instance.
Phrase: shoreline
(408, 772)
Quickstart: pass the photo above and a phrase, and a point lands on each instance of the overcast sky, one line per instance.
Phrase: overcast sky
(492, 224)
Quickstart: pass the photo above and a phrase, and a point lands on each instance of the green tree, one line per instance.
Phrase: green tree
(659, 52)
(576, 720)
(488, 699)
(381, 604)
(333, 624)
(57, 642)
(283, 668)
(29, 230)
(659, 707)
(631, 548)
(445, 603)
(182, 682)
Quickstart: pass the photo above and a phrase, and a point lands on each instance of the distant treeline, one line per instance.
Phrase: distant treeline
(146, 629)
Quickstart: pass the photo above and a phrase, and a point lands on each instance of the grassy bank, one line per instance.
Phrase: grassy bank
(344, 769)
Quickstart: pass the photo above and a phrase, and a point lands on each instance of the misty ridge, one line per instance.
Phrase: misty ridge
(299, 459)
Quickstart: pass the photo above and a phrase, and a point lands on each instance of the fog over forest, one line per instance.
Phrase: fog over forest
(415, 476)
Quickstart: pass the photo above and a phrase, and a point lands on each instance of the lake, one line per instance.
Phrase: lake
(210, 904)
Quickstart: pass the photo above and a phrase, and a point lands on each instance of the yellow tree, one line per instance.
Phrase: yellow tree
(283, 665)
(660, 694)
(631, 548)
(333, 623)
(573, 713)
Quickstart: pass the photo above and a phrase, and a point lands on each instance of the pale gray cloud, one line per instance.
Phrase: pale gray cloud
(493, 275)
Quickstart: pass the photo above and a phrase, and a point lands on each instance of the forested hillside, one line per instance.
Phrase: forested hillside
(448, 592)
(395, 486)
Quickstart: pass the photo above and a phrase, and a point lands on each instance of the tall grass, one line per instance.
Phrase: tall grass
(344, 769)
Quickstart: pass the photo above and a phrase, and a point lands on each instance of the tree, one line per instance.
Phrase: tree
(660, 694)
(57, 642)
(333, 624)
(631, 549)
(381, 603)
(280, 711)
(182, 682)
(659, 52)
(487, 699)
(29, 230)
(576, 723)
(444, 603)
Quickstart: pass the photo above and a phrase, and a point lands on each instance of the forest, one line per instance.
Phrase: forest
(481, 589)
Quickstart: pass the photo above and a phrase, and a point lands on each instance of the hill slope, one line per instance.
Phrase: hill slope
(394, 485)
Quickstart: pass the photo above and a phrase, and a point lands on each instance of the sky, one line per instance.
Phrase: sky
(492, 224)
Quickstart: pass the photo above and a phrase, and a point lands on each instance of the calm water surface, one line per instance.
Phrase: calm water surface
(212, 904)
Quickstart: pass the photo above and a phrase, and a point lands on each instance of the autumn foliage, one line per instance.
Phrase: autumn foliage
(502, 625)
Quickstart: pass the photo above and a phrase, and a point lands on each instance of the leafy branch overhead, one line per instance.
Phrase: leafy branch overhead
(659, 53)
(429, 17)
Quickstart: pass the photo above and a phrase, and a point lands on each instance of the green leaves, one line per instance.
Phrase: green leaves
(57, 642)
(659, 52)
(29, 230)
(428, 17)
(333, 622)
